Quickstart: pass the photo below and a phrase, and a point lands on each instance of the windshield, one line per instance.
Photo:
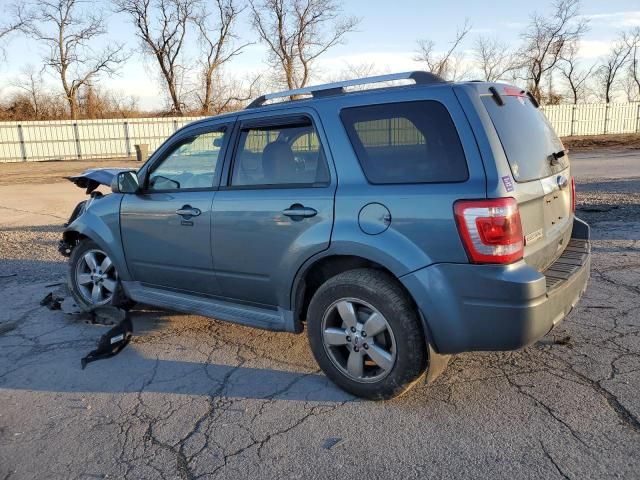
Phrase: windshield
(527, 137)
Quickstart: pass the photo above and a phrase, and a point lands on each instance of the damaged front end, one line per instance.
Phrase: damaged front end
(90, 180)
(94, 177)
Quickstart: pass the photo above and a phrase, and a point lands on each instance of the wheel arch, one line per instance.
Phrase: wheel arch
(324, 266)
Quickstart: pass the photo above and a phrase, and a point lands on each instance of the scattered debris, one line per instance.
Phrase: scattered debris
(9, 276)
(69, 306)
(54, 285)
(7, 327)
(51, 301)
(103, 315)
(114, 341)
(566, 340)
(333, 442)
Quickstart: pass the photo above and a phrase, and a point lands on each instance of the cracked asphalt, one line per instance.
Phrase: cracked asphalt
(195, 398)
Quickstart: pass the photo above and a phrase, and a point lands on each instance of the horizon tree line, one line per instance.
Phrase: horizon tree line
(295, 34)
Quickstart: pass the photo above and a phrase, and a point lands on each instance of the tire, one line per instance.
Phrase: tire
(396, 357)
(94, 287)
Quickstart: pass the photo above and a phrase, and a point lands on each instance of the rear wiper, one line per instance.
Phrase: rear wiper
(555, 156)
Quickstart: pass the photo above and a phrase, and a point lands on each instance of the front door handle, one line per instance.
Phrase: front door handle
(297, 211)
(188, 211)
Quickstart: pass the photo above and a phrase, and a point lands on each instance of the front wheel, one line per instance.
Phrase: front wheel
(365, 334)
(93, 279)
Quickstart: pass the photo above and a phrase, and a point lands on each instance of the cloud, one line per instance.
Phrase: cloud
(514, 25)
(391, 61)
(482, 30)
(592, 49)
(615, 19)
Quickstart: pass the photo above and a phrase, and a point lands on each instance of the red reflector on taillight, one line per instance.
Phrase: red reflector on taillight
(491, 230)
(573, 195)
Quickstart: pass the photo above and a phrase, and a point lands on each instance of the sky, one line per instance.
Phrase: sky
(386, 36)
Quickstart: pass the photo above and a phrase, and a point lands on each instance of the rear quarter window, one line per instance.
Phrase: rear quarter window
(408, 142)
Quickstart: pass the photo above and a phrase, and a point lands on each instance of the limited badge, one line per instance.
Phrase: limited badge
(533, 237)
(508, 183)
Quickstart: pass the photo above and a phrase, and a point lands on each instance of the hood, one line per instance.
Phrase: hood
(94, 177)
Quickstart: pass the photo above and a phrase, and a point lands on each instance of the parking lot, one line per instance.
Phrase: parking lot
(192, 397)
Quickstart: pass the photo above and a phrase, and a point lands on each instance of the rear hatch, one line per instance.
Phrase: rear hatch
(539, 166)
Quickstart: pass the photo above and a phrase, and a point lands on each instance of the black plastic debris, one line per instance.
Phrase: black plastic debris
(51, 301)
(114, 341)
(106, 315)
(563, 341)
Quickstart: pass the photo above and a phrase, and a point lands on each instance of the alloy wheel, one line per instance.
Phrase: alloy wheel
(358, 340)
(96, 277)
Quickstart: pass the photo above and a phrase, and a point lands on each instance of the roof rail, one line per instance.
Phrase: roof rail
(336, 88)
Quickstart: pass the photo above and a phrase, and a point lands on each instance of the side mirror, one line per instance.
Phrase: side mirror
(125, 182)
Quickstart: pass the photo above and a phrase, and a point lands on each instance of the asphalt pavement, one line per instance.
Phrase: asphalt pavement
(197, 398)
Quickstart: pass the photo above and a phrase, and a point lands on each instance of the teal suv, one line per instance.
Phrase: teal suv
(397, 219)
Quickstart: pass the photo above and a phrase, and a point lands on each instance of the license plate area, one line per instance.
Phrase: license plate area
(557, 207)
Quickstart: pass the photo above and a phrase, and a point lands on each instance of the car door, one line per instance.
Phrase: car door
(166, 228)
(276, 209)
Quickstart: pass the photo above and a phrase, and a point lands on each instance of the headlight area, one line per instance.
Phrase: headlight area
(70, 239)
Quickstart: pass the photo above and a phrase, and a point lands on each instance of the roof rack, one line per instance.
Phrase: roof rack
(337, 88)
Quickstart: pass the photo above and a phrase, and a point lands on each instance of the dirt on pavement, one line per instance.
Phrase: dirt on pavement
(588, 143)
(37, 173)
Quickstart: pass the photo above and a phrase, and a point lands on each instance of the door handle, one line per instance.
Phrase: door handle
(299, 211)
(188, 211)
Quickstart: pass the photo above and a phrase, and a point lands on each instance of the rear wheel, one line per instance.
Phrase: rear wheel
(93, 279)
(365, 334)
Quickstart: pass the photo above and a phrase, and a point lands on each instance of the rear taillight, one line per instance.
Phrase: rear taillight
(490, 229)
(573, 195)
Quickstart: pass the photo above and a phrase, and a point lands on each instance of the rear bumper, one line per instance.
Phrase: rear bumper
(500, 307)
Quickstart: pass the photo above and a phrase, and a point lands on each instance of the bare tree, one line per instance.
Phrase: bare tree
(494, 58)
(634, 63)
(16, 19)
(63, 27)
(217, 39)
(297, 32)
(355, 70)
(162, 25)
(446, 64)
(30, 82)
(575, 76)
(229, 96)
(546, 40)
(608, 73)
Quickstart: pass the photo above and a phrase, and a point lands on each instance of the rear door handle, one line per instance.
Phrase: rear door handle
(299, 211)
(188, 211)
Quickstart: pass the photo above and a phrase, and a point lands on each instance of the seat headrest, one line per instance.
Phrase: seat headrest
(278, 163)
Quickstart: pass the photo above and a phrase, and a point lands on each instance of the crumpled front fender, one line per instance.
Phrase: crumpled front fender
(101, 223)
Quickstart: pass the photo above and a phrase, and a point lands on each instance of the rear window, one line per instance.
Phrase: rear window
(409, 142)
(527, 137)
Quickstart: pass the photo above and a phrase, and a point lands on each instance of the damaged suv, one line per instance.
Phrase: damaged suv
(398, 225)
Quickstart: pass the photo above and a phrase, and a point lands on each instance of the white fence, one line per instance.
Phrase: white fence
(594, 119)
(86, 139)
(83, 139)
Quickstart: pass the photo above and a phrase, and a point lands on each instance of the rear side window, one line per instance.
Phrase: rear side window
(409, 142)
(527, 137)
(280, 155)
